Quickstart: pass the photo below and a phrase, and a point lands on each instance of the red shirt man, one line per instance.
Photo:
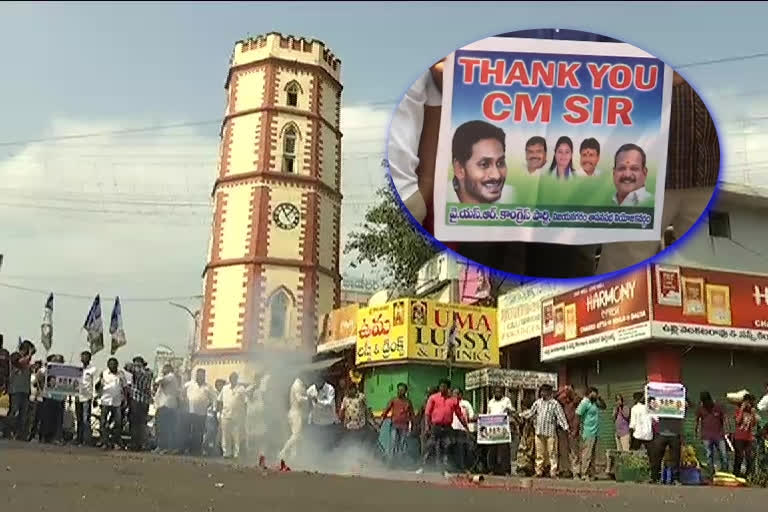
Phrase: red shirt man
(401, 409)
(440, 410)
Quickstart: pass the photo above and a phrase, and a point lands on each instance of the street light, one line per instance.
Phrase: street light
(195, 321)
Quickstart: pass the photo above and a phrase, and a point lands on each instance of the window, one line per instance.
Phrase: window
(719, 224)
(278, 314)
(289, 150)
(292, 95)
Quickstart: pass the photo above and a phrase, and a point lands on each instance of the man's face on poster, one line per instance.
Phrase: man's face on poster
(589, 158)
(559, 315)
(718, 299)
(693, 292)
(629, 174)
(535, 156)
(481, 178)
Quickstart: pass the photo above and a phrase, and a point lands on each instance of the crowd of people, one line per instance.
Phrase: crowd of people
(553, 434)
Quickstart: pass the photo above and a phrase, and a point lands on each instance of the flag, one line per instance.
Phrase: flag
(46, 337)
(94, 328)
(451, 353)
(116, 327)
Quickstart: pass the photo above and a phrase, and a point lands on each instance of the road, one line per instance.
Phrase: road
(62, 479)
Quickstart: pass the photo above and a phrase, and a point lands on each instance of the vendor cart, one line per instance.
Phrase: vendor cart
(517, 384)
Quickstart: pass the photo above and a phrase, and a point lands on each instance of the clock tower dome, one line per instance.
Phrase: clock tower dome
(273, 258)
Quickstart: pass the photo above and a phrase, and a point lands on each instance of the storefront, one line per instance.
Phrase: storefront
(408, 341)
(706, 329)
(336, 348)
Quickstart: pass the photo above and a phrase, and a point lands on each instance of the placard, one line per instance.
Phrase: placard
(665, 400)
(493, 429)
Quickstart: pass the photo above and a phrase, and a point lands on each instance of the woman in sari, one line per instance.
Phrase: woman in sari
(526, 452)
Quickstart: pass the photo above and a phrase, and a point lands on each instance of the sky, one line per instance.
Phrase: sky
(127, 212)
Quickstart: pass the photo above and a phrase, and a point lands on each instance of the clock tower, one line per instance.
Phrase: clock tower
(273, 258)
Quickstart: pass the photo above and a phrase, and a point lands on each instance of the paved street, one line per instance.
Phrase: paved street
(63, 479)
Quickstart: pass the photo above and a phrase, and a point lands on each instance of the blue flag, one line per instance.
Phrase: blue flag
(46, 336)
(116, 327)
(94, 327)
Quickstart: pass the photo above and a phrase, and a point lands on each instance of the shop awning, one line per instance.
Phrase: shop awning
(322, 364)
(334, 346)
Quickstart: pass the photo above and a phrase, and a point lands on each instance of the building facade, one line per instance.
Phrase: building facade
(273, 261)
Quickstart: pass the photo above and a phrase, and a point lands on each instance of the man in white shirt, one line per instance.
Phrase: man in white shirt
(479, 165)
(199, 397)
(536, 156)
(85, 400)
(464, 444)
(640, 423)
(233, 409)
(322, 413)
(296, 414)
(629, 175)
(166, 405)
(499, 455)
(589, 157)
(112, 388)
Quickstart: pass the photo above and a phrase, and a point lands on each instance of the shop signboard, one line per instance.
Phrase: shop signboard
(340, 329)
(430, 326)
(427, 331)
(519, 311)
(710, 306)
(381, 333)
(665, 400)
(493, 429)
(596, 317)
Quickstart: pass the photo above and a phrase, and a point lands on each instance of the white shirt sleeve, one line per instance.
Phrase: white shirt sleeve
(762, 405)
(633, 419)
(328, 398)
(404, 136)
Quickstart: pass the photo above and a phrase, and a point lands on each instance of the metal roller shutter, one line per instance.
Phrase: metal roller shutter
(612, 374)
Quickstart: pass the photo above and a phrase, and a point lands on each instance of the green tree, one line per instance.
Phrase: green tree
(388, 241)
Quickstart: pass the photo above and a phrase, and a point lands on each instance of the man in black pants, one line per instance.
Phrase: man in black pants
(667, 432)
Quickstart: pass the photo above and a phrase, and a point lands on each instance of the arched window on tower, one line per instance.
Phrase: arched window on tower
(292, 95)
(279, 305)
(289, 150)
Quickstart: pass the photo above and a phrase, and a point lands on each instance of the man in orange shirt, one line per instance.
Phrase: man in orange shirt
(402, 417)
(439, 412)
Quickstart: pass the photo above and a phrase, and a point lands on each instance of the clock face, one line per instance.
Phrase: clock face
(286, 216)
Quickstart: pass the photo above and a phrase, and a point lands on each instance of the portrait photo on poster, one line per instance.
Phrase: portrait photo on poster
(553, 153)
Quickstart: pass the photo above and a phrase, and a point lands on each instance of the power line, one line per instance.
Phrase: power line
(91, 297)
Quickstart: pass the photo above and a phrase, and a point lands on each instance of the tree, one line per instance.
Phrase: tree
(387, 240)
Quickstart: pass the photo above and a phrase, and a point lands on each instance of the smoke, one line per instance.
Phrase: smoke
(331, 450)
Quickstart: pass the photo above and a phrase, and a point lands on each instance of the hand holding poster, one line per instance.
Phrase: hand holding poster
(665, 400)
(62, 380)
(493, 429)
(552, 141)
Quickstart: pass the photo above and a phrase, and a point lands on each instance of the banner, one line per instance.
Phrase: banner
(430, 325)
(116, 327)
(519, 311)
(493, 429)
(422, 330)
(340, 329)
(714, 306)
(46, 328)
(665, 400)
(62, 380)
(94, 328)
(552, 141)
(603, 315)
(474, 283)
(381, 333)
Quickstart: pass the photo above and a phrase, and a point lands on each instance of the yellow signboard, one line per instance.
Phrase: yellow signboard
(381, 333)
(420, 330)
(475, 334)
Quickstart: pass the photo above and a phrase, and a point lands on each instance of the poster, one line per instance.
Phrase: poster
(718, 304)
(520, 313)
(547, 317)
(693, 296)
(725, 308)
(600, 316)
(665, 400)
(493, 429)
(529, 136)
(668, 289)
(62, 380)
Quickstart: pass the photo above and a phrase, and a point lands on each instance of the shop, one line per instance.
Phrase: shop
(419, 342)
(336, 349)
(703, 328)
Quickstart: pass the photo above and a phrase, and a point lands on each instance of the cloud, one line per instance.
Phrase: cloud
(129, 214)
